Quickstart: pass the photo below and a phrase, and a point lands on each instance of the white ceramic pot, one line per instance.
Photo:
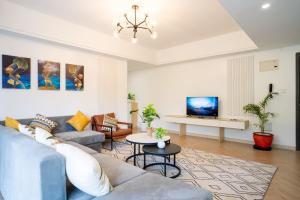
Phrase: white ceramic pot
(161, 144)
(143, 126)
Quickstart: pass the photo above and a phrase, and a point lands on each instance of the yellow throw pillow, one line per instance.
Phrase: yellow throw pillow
(12, 123)
(79, 121)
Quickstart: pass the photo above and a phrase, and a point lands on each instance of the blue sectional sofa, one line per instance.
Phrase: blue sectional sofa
(32, 171)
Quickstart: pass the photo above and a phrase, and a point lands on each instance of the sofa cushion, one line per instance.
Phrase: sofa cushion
(79, 121)
(84, 171)
(12, 123)
(44, 123)
(151, 186)
(117, 171)
(84, 148)
(84, 137)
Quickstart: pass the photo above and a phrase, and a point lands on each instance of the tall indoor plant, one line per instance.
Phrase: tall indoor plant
(149, 114)
(262, 139)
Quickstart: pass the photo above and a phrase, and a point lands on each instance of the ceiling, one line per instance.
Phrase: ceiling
(278, 26)
(178, 21)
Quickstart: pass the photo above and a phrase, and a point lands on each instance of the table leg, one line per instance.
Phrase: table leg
(182, 129)
(174, 159)
(221, 134)
(165, 166)
(134, 152)
(144, 159)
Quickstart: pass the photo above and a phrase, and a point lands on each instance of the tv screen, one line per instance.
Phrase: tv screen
(202, 106)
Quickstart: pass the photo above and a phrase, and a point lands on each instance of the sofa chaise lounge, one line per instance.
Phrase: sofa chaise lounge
(33, 171)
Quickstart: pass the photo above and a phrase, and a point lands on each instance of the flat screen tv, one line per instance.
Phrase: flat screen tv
(202, 106)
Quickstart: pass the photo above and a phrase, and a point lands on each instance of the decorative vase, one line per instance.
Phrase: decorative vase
(143, 127)
(161, 144)
(149, 131)
(263, 141)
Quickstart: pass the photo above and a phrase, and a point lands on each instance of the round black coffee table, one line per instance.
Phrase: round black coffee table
(167, 152)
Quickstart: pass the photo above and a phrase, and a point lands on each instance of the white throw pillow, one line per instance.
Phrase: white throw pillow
(44, 137)
(26, 130)
(84, 171)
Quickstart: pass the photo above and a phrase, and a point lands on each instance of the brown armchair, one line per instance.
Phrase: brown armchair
(97, 125)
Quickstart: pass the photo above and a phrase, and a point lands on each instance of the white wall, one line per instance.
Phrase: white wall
(168, 86)
(105, 81)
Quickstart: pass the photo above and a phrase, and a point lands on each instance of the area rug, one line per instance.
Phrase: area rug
(226, 177)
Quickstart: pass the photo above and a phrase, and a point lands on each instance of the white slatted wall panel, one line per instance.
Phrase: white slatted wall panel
(240, 84)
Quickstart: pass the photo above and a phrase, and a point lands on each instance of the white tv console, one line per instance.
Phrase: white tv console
(220, 123)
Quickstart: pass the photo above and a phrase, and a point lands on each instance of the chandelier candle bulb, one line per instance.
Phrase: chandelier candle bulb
(116, 34)
(154, 35)
(134, 40)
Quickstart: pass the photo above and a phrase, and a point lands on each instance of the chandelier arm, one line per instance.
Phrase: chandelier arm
(121, 28)
(128, 20)
(143, 21)
(146, 28)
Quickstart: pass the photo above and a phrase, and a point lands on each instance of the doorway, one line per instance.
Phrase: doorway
(298, 101)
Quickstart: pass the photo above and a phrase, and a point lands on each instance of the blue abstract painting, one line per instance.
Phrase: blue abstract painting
(15, 72)
(74, 77)
(48, 75)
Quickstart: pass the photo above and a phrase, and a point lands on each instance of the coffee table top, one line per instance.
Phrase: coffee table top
(170, 149)
(144, 138)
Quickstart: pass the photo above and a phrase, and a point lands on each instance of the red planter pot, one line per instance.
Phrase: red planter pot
(263, 141)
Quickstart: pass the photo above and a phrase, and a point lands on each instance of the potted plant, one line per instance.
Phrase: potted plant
(149, 115)
(160, 133)
(262, 140)
(131, 96)
(143, 123)
(133, 106)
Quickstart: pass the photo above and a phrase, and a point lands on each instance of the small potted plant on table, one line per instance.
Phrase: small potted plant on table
(262, 140)
(160, 133)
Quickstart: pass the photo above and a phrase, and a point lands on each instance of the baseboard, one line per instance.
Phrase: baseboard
(275, 146)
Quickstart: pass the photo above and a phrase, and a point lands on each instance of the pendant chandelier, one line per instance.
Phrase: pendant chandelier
(135, 24)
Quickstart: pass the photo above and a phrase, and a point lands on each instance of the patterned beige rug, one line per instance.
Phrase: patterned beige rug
(226, 177)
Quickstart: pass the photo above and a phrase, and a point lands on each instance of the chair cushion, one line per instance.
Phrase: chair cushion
(109, 121)
(83, 137)
(98, 119)
(118, 172)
